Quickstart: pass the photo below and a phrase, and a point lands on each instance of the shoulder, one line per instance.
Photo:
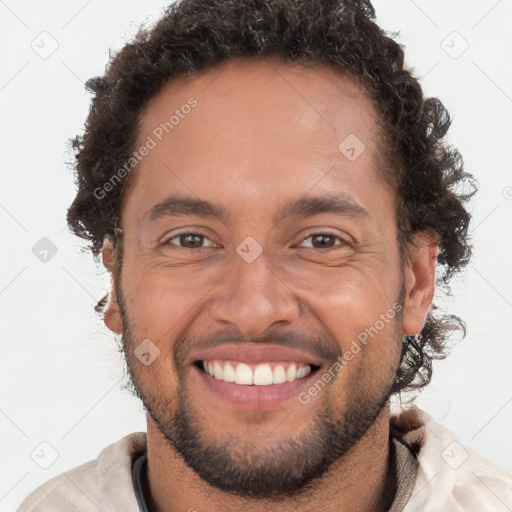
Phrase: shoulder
(104, 483)
(451, 476)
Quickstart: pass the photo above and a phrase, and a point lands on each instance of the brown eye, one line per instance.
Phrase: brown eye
(324, 240)
(191, 241)
(188, 241)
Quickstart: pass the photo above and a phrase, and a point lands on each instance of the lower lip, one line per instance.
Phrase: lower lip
(254, 397)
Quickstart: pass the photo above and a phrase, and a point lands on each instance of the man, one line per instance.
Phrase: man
(272, 197)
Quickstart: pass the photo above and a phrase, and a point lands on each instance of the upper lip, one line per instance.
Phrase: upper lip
(255, 354)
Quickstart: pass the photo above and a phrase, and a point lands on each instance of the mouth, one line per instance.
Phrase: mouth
(254, 386)
(263, 374)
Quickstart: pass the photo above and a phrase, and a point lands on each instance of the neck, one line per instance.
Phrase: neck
(363, 480)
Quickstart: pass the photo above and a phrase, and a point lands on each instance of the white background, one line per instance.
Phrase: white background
(61, 378)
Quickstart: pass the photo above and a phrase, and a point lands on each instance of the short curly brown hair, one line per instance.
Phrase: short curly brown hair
(195, 35)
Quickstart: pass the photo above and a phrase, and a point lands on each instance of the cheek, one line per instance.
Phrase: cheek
(348, 298)
(154, 311)
(359, 308)
(162, 299)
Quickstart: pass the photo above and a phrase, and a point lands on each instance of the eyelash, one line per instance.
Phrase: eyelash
(343, 241)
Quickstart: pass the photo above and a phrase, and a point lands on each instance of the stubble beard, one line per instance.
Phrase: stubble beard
(237, 466)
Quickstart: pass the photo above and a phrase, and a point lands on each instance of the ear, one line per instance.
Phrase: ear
(112, 315)
(420, 281)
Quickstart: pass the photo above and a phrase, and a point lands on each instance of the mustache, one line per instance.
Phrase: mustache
(323, 347)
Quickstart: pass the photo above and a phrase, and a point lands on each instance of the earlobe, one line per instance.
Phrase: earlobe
(420, 282)
(112, 315)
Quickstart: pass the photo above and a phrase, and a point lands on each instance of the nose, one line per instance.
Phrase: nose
(254, 297)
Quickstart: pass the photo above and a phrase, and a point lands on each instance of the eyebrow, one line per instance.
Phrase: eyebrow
(340, 204)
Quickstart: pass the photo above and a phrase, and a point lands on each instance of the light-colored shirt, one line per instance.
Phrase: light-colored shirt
(449, 476)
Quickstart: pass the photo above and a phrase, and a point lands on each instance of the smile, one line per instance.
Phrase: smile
(263, 374)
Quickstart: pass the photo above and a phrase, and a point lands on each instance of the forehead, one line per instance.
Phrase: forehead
(258, 129)
(275, 93)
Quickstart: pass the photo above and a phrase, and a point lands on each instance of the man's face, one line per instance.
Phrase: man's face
(262, 135)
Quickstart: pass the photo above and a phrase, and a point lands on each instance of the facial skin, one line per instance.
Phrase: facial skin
(264, 133)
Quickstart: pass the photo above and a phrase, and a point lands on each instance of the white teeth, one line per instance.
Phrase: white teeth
(243, 374)
(291, 373)
(279, 375)
(263, 374)
(217, 369)
(229, 373)
(302, 372)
